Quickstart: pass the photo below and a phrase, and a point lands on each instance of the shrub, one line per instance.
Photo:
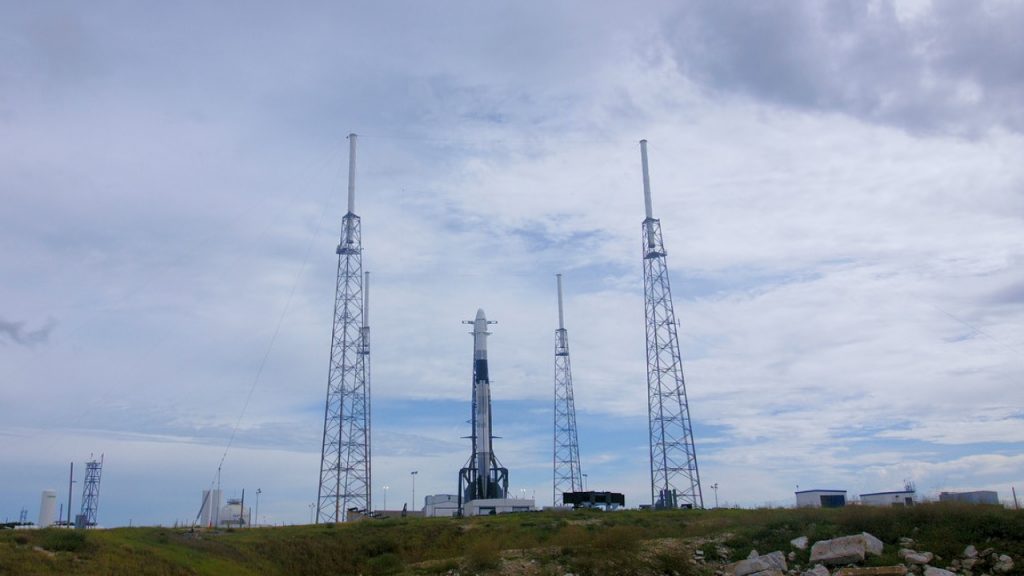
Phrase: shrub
(483, 554)
(618, 540)
(674, 561)
(65, 540)
(385, 564)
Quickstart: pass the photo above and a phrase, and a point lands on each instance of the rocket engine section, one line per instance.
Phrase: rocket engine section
(483, 477)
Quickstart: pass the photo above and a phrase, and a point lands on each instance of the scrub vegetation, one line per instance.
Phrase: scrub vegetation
(543, 543)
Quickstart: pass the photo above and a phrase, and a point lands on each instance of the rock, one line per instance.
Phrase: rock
(986, 552)
(791, 556)
(907, 542)
(1003, 565)
(913, 557)
(753, 554)
(842, 550)
(933, 571)
(915, 568)
(872, 545)
(970, 551)
(897, 570)
(775, 562)
(818, 570)
(799, 543)
(968, 563)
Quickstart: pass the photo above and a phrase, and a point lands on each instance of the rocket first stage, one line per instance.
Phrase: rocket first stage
(483, 477)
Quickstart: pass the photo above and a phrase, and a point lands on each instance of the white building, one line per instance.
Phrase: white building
(975, 497)
(210, 512)
(441, 505)
(47, 508)
(488, 506)
(821, 498)
(897, 498)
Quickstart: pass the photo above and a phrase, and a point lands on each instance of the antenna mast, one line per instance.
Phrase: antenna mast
(675, 478)
(345, 452)
(567, 473)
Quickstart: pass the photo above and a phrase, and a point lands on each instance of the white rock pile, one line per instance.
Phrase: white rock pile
(846, 552)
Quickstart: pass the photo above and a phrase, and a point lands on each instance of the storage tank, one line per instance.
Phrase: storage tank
(232, 514)
(47, 508)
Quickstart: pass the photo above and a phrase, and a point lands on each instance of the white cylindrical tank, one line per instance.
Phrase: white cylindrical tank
(47, 508)
(232, 514)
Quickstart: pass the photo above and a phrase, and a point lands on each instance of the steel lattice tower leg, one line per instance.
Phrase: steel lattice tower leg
(675, 478)
(345, 453)
(567, 473)
(91, 491)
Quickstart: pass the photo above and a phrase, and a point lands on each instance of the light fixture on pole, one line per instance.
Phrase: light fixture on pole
(584, 482)
(258, 492)
(386, 488)
(413, 474)
(715, 488)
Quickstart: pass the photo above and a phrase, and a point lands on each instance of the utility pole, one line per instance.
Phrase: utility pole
(413, 474)
(71, 480)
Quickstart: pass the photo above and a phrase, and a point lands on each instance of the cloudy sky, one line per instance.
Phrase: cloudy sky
(840, 186)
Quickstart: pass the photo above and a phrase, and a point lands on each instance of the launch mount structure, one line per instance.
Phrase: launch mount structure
(483, 477)
(675, 478)
(90, 493)
(567, 474)
(345, 453)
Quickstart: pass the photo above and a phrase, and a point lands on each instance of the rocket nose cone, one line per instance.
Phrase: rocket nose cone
(480, 314)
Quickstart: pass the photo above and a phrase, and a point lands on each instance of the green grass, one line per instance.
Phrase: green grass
(628, 542)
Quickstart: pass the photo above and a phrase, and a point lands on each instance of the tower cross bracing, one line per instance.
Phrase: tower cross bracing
(567, 472)
(345, 453)
(675, 477)
(91, 491)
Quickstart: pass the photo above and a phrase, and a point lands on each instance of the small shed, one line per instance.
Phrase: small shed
(821, 498)
(897, 498)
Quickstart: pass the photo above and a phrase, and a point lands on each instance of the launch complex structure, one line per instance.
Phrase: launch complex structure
(345, 480)
(344, 489)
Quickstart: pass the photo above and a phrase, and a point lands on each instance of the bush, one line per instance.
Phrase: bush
(618, 540)
(674, 561)
(385, 564)
(65, 540)
(483, 554)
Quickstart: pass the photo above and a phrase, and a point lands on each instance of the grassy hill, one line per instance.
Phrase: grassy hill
(628, 542)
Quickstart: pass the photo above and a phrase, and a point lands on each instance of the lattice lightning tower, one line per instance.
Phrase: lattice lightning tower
(675, 479)
(91, 491)
(567, 473)
(345, 453)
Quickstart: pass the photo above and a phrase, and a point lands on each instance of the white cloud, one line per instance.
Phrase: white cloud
(848, 293)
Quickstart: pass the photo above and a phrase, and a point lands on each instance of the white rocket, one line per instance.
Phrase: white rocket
(482, 445)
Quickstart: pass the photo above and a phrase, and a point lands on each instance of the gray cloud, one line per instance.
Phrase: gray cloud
(954, 67)
(15, 332)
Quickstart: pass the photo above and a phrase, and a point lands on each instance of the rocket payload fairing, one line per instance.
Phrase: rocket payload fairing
(483, 476)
